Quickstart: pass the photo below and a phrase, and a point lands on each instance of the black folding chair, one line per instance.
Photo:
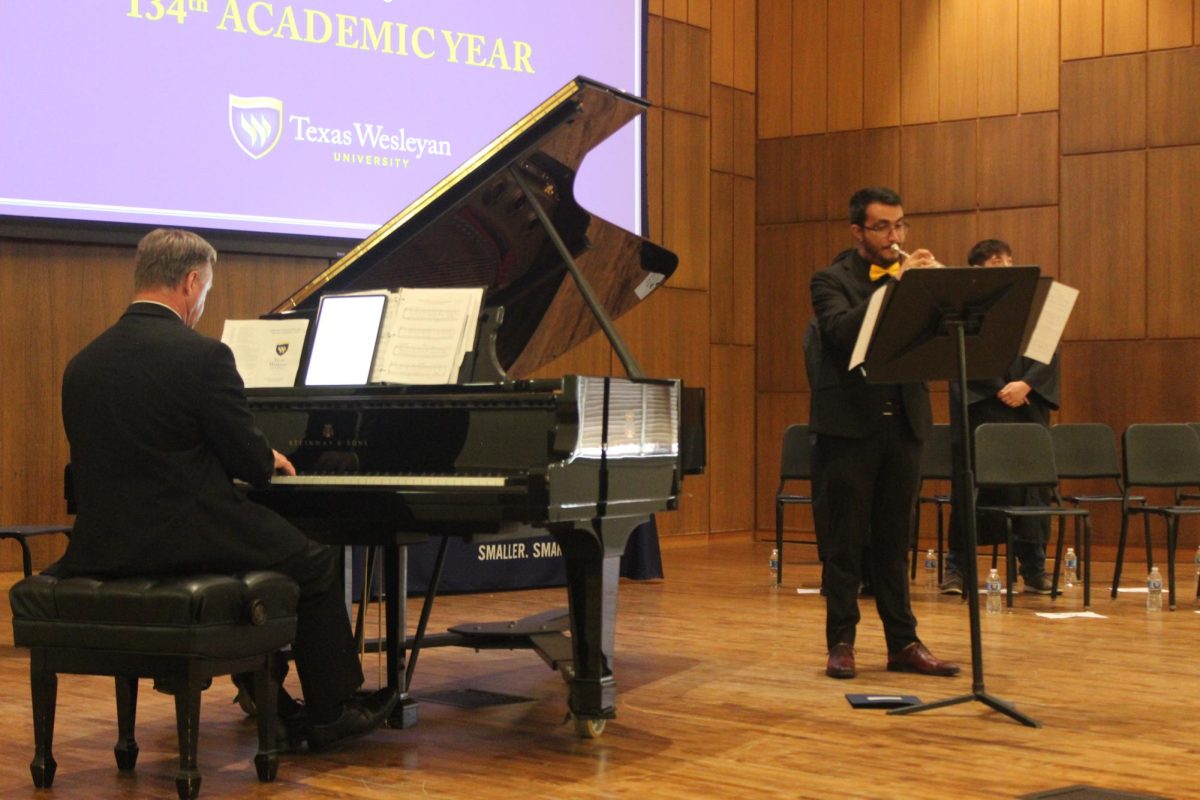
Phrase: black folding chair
(1088, 451)
(795, 465)
(1020, 455)
(937, 463)
(1161, 455)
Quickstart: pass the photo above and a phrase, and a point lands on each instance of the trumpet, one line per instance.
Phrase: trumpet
(896, 249)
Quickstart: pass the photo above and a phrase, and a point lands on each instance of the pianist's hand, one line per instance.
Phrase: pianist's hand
(282, 464)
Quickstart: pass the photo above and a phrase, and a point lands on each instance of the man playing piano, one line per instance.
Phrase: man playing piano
(158, 427)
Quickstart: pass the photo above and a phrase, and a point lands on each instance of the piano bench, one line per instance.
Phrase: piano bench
(180, 631)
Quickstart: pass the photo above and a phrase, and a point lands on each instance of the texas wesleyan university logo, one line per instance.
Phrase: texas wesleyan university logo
(255, 123)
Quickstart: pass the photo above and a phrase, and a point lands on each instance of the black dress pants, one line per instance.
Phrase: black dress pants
(866, 489)
(324, 650)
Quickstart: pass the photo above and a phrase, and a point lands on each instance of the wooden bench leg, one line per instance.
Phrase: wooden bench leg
(43, 685)
(187, 722)
(266, 700)
(126, 749)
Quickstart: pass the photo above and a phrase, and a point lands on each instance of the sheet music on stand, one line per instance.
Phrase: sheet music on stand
(425, 335)
(1052, 305)
(266, 351)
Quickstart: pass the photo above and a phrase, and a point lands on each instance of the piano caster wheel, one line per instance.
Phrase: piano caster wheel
(589, 728)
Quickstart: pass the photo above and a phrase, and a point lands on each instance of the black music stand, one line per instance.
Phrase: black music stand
(931, 326)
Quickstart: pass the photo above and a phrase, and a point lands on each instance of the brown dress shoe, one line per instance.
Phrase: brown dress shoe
(917, 658)
(841, 661)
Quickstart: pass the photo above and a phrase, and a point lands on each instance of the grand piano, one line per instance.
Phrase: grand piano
(500, 454)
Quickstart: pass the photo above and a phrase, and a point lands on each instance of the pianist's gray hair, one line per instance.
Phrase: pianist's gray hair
(166, 255)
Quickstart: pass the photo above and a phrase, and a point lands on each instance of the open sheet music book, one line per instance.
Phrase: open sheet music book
(409, 336)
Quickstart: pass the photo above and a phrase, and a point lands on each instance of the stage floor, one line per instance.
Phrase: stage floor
(721, 693)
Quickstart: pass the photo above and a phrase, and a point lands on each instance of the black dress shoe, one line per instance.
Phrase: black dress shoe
(360, 716)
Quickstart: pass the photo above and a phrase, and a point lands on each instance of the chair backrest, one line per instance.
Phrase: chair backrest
(937, 460)
(1085, 450)
(795, 463)
(1014, 454)
(1165, 454)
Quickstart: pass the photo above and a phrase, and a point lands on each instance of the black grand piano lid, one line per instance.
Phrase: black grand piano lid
(476, 228)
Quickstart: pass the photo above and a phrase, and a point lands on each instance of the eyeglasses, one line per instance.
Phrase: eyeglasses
(900, 227)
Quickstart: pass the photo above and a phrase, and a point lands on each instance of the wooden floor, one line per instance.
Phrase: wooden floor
(721, 694)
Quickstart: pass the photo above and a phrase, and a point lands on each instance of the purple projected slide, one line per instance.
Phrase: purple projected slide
(318, 117)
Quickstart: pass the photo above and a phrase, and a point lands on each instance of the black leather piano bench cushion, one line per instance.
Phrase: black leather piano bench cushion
(181, 631)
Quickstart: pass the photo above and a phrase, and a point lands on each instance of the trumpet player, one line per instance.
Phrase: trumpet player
(868, 445)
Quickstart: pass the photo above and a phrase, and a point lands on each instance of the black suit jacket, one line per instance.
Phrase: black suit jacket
(158, 426)
(843, 403)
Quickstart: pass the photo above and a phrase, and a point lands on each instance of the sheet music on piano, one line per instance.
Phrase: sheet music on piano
(426, 333)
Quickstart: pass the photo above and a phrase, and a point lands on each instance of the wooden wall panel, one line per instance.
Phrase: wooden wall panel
(744, 292)
(1124, 26)
(1102, 241)
(654, 173)
(919, 55)
(997, 50)
(675, 9)
(731, 433)
(1173, 175)
(937, 166)
(958, 64)
(774, 21)
(722, 42)
(788, 255)
(846, 65)
(744, 143)
(1082, 29)
(1173, 115)
(654, 61)
(685, 196)
(721, 129)
(745, 48)
(1031, 232)
(1196, 25)
(860, 158)
(1104, 104)
(668, 333)
(948, 236)
(881, 76)
(685, 67)
(1037, 55)
(791, 176)
(775, 412)
(731, 285)
(1152, 387)
(1169, 23)
(810, 66)
(1018, 161)
(700, 13)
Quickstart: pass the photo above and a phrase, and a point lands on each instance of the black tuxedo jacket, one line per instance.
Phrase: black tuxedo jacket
(843, 403)
(158, 426)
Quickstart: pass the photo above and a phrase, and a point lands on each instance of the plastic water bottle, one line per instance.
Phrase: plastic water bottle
(930, 568)
(993, 593)
(1072, 568)
(774, 566)
(1154, 590)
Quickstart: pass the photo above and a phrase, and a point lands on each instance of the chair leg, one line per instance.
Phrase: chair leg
(1149, 551)
(187, 723)
(1010, 558)
(915, 538)
(941, 545)
(126, 749)
(1058, 554)
(1172, 538)
(779, 542)
(43, 685)
(266, 696)
(1087, 561)
(1120, 552)
(26, 557)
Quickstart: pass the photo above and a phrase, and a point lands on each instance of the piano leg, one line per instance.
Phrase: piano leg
(395, 586)
(593, 562)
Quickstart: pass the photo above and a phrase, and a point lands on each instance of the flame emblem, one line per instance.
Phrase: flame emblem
(255, 123)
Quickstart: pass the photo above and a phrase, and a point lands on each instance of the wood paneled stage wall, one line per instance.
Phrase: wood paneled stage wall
(1069, 127)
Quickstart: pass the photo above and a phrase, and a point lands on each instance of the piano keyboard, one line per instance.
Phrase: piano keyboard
(388, 480)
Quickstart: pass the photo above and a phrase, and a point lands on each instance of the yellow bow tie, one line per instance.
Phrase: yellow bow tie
(878, 272)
